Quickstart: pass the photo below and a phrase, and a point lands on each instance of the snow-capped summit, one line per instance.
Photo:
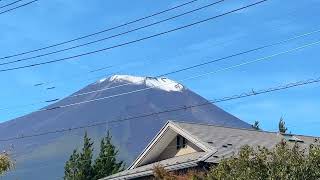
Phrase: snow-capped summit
(162, 83)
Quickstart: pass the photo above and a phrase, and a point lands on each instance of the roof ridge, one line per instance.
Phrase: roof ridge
(228, 127)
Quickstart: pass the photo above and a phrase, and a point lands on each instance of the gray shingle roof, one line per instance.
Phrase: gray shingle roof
(225, 140)
(228, 141)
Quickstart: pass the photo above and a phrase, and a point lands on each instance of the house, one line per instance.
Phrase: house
(180, 146)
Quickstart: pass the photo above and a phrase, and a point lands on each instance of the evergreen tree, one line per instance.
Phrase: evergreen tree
(282, 126)
(106, 163)
(85, 160)
(79, 165)
(256, 125)
(71, 170)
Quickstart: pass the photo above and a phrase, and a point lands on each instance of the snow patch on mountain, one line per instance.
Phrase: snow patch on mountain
(102, 80)
(153, 82)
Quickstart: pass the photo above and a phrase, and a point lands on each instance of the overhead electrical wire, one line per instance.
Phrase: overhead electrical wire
(17, 7)
(212, 61)
(112, 36)
(185, 79)
(204, 74)
(120, 67)
(9, 4)
(181, 80)
(180, 108)
(75, 76)
(105, 67)
(102, 31)
(45, 165)
(37, 102)
(131, 42)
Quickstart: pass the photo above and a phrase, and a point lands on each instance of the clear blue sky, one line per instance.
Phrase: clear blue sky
(47, 22)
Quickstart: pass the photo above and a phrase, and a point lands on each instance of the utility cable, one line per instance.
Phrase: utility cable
(17, 7)
(110, 37)
(182, 80)
(100, 32)
(131, 42)
(9, 4)
(180, 108)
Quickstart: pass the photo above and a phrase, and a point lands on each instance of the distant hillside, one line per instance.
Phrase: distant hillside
(43, 157)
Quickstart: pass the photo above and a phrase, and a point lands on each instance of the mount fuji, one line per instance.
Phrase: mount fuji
(108, 100)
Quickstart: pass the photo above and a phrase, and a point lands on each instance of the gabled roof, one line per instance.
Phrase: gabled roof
(217, 142)
(161, 141)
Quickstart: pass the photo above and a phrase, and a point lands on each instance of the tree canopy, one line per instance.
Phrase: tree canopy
(282, 126)
(106, 163)
(6, 163)
(256, 125)
(285, 162)
(80, 165)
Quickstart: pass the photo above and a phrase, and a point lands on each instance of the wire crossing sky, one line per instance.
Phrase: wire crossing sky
(122, 44)
(46, 23)
(15, 7)
(136, 117)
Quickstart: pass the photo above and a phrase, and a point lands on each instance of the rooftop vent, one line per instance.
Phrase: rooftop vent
(292, 138)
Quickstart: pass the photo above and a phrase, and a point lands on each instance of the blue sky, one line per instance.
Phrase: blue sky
(48, 22)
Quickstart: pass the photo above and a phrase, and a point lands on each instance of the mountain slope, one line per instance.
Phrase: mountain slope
(49, 152)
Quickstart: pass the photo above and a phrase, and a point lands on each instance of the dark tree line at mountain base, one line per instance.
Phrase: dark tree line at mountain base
(81, 166)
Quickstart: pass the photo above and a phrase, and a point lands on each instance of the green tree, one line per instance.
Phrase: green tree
(106, 163)
(256, 125)
(6, 163)
(282, 126)
(284, 162)
(85, 159)
(79, 165)
(71, 170)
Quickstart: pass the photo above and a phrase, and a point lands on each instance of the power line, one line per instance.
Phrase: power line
(212, 61)
(181, 80)
(147, 60)
(100, 32)
(17, 7)
(9, 4)
(113, 36)
(180, 108)
(131, 42)
(44, 165)
(120, 66)
(191, 77)
(37, 102)
(75, 76)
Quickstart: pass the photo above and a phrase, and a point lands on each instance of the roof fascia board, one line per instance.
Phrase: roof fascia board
(150, 145)
(156, 139)
(150, 172)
